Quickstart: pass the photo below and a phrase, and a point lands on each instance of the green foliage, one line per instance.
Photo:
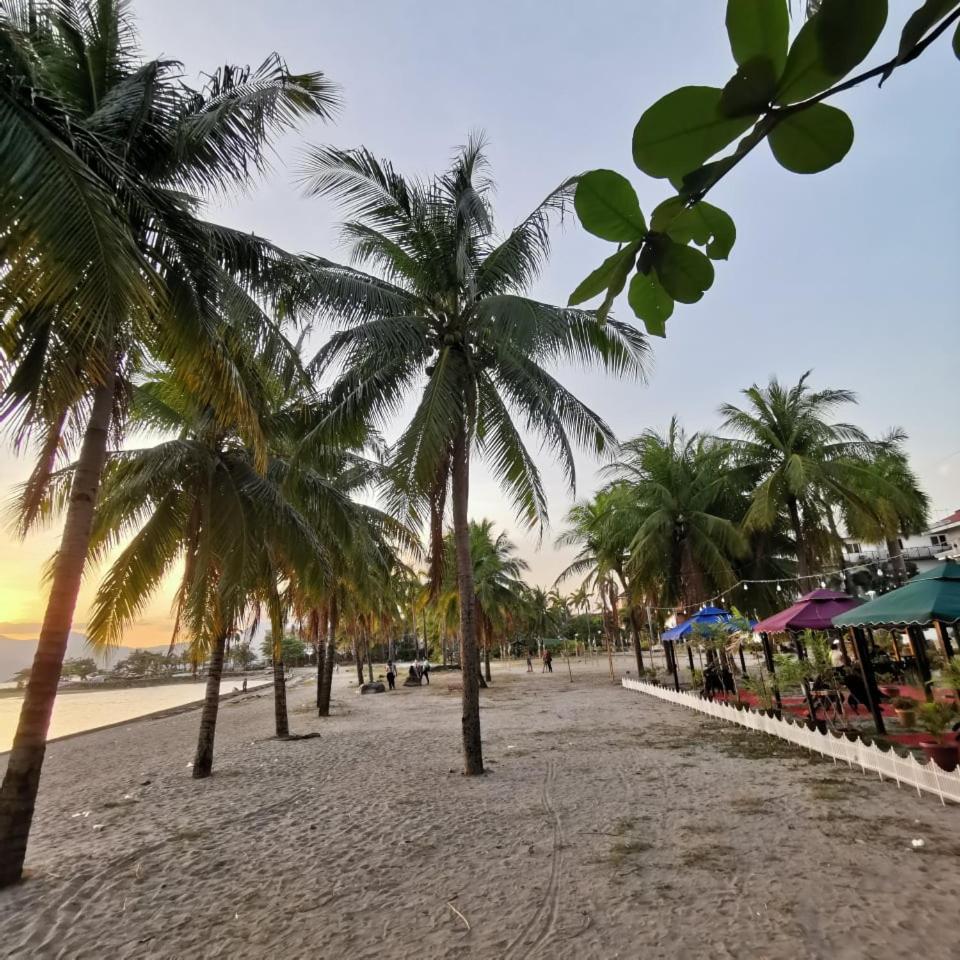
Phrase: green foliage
(81, 667)
(812, 140)
(146, 663)
(650, 302)
(774, 94)
(760, 688)
(241, 655)
(683, 130)
(684, 272)
(934, 717)
(292, 649)
(791, 672)
(950, 674)
(758, 30)
(829, 45)
(607, 206)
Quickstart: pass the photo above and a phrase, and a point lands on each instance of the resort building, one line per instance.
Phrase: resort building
(940, 541)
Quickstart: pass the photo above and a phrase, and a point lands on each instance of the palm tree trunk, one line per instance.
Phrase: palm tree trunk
(469, 658)
(896, 558)
(318, 646)
(366, 643)
(280, 698)
(18, 795)
(487, 640)
(203, 760)
(793, 508)
(358, 658)
(328, 658)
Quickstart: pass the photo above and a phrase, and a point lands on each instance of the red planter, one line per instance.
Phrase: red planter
(944, 753)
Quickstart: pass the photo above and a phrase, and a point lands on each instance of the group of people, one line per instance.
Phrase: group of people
(419, 671)
(547, 661)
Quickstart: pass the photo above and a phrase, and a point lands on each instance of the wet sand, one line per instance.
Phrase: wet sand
(610, 825)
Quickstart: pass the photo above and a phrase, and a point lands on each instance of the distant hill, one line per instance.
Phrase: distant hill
(17, 654)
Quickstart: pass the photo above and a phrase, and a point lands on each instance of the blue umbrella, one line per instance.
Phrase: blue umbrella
(707, 616)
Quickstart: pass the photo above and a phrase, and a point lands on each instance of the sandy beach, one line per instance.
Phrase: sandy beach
(610, 825)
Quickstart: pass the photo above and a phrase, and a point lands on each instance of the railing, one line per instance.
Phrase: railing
(888, 764)
(926, 552)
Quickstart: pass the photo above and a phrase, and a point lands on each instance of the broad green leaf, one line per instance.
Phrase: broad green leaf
(691, 184)
(682, 130)
(650, 303)
(666, 212)
(606, 274)
(685, 272)
(703, 223)
(750, 90)
(812, 139)
(607, 206)
(922, 20)
(758, 28)
(917, 25)
(829, 45)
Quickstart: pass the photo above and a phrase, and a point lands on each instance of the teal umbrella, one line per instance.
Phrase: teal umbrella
(927, 597)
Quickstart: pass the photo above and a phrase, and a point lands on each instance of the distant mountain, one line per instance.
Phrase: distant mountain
(17, 654)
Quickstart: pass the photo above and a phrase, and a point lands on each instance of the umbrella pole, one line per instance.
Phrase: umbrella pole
(676, 669)
(772, 670)
(944, 638)
(919, 645)
(743, 663)
(690, 658)
(869, 679)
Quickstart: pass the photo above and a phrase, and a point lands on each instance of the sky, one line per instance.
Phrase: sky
(852, 272)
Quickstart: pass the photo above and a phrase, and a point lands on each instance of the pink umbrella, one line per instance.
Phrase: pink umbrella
(813, 611)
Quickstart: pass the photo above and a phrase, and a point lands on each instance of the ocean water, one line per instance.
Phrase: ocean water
(76, 712)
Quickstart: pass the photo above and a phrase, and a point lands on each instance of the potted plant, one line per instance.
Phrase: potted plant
(934, 719)
(906, 710)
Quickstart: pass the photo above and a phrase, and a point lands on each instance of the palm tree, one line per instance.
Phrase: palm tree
(685, 543)
(105, 263)
(445, 318)
(603, 528)
(898, 505)
(199, 497)
(800, 458)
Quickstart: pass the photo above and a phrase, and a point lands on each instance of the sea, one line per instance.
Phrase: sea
(89, 709)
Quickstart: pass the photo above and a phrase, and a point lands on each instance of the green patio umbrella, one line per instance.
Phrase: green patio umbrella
(926, 598)
(929, 598)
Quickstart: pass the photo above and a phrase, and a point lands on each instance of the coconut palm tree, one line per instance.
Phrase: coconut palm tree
(498, 584)
(898, 505)
(802, 460)
(104, 263)
(685, 542)
(445, 317)
(603, 529)
(199, 497)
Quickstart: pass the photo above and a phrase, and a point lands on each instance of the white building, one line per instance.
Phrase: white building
(942, 540)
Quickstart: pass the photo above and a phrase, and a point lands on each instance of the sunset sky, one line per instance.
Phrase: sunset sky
(852, 272)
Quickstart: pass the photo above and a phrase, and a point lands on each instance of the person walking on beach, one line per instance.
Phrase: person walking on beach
(244, 687)
(529, 663)
(425, 671)
(547, 660)
(391, 675)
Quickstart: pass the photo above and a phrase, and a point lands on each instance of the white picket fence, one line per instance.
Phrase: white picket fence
(888, 764)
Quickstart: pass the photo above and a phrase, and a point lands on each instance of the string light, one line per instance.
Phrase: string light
(745, 584)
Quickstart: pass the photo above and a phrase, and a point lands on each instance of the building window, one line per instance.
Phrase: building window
(939, 540)
(853, 548)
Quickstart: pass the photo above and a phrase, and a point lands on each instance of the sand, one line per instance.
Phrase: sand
(610, 825)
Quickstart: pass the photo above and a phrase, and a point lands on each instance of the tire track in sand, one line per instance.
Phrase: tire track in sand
(542, 924)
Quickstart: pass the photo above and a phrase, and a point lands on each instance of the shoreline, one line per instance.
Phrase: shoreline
(164, 713)
(134, 683)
